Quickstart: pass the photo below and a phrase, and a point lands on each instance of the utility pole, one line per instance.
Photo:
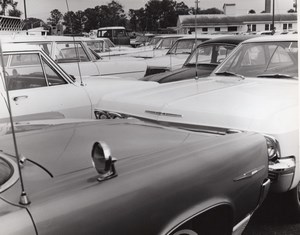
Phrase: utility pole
(25, 10)
(273, 17)
(196, 70)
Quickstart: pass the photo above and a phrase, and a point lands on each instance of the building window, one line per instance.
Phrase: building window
(290, 26)
(284, 26)
(232, 29)
(251, 27)
(217, 29)
(267, 27)
(204, 29)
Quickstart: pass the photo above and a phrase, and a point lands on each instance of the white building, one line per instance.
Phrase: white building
(221, 23)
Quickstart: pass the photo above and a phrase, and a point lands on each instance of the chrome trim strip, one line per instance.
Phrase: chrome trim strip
(249, 174)
(240, 227)
(163, 114)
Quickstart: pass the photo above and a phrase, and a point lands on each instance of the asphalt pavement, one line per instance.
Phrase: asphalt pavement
(272, 219)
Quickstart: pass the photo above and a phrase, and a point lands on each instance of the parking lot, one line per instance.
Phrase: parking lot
(272, 219)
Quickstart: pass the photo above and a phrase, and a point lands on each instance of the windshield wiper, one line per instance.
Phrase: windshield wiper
(274, 75)
(228, 73)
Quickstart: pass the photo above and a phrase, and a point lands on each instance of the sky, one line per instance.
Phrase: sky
(41, 8)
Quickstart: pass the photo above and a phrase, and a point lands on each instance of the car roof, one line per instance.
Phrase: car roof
(11, 47)
(229, 39)
(199, 36)
(274, 38)
(111, 27)
(30, 38)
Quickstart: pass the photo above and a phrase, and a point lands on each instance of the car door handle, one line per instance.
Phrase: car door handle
(17, 98)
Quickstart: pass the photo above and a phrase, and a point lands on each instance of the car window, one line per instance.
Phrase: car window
(6, 171)
(97, 46)
(210, 54)
(26, 71)
(66, 52)
(183, 46)
(24, 59)
(166, 43)
(264, 59)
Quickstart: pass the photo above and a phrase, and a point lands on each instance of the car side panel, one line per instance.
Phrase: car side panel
(154, 193)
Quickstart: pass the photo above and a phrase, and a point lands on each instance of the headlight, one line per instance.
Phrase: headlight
(273, 147)
(99, 114)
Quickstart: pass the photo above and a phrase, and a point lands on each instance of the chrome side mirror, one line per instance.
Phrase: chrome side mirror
(103, 162)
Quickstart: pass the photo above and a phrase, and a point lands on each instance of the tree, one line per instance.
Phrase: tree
(5, 4)
(92, 18)
(251, 12)
(207, 11)
(32, 22)
(182, 9)
(14, 12)
(112, 14)
(55, 17)
(153, 13)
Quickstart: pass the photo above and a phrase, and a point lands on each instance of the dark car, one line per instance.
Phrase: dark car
(149, 179)
(203, 60)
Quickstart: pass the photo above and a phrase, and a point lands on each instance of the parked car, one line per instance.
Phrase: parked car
(141, 40)
(129, 177)
(254, 89)
(158, 46)
(38, 86)
(77, 59)
(205, 59)
(176, 55)
(106, 49)
(117, 34)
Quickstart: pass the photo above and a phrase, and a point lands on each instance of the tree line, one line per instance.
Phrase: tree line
(156, 14)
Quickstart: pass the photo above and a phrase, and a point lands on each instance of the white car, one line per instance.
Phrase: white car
(158, 46)
(254, 89)
(39, 88)
(77, 59)
(106, 49)
(177, 54)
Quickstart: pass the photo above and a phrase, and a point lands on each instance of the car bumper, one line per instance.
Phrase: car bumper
(282, 174)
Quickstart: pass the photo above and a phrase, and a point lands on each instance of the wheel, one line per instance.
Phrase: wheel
(185, 232)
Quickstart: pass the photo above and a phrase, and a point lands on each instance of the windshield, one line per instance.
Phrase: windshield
(97, 46)
(184, 46)
(165, 43)
(154, 41)
(263, 59)
(6, 171)
(210, 54)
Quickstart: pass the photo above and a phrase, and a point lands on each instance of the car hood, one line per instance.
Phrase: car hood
(63, 148)
(184, 73)
(228, 102)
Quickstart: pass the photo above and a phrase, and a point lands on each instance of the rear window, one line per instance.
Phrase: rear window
(6, 171)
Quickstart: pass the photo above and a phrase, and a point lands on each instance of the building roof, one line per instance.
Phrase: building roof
(210, 20)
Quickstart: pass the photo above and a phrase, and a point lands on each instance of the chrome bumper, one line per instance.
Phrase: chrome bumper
(281, 174)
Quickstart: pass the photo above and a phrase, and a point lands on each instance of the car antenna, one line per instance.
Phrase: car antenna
(76, 47)
(24, 200)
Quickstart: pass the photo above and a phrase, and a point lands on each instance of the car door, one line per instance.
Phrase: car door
(37, 87)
